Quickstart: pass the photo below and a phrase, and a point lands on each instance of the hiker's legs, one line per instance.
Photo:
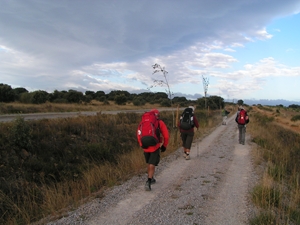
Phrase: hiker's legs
(151, 170)
(183, 138)
(240, 133)
(242, 130)
(152, 159)
(189, 141)
(243, 134)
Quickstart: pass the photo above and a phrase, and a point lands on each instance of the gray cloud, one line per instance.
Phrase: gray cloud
(89, 44)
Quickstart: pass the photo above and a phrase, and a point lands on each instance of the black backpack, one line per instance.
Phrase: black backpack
(187, 119)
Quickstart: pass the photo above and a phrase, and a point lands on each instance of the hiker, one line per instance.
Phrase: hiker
(224, 115)
(242, 119)
(152, 152)
(186, 125)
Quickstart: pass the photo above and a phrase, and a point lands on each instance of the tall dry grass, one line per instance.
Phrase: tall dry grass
(277, 157)
(19, 108)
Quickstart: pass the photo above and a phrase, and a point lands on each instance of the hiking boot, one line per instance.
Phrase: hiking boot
(153, 181)
(148, 186)
(187, 157)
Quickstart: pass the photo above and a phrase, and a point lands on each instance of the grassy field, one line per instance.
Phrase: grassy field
(277, 158)
(17, 108)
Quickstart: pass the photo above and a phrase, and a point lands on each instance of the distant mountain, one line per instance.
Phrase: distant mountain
(246, 101)
(269, 102)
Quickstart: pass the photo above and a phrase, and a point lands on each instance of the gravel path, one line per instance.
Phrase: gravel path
(211, 188)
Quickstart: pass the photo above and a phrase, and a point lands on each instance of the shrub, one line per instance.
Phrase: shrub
(21, 134)
(138, 101)
(295, 118)
(165, 103)
(120, 99)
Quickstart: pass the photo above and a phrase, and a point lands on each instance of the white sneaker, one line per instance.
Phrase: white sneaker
(187, 157)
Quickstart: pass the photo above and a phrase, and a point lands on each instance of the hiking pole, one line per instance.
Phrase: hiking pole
(197, 148)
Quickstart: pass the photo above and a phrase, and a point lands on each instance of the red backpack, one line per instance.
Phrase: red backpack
(148, 130)
(242, 117)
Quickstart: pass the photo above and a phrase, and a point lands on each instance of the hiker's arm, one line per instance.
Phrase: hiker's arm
(196, 123)
(164, 132)
(138, 137)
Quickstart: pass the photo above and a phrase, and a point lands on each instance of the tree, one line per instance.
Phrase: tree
(6, 93)
(90, 93)
(18, 91)
(138, 101)
(113, 94)
(39, 97)
(58, 96)
(74, 96)
(121, 99)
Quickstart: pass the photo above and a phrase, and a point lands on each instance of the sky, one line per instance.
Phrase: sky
(242, 49)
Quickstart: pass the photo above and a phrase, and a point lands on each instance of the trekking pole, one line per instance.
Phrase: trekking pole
(197, 148)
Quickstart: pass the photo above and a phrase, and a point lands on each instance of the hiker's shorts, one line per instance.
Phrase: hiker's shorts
(187, 139)
(152, 157)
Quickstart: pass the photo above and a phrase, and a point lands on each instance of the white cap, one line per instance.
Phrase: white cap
(192, 107)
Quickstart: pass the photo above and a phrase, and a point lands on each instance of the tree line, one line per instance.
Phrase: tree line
(120, 97)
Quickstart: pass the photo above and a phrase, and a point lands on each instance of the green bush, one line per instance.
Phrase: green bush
(165, 103)
(295, 118)
(21, 134)
(138, 102)
(120, 99)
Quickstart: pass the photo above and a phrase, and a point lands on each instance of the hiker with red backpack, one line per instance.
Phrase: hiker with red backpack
(242, 119)
(186, 125)
(149, 137)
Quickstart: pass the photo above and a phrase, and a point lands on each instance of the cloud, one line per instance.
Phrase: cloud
(108, 45)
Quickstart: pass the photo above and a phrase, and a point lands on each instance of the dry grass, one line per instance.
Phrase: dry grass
(277, 157)
(15, 107)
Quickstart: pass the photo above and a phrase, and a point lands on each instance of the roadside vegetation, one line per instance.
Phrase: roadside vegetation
(19, 100)
(50, 166)
(276, 131)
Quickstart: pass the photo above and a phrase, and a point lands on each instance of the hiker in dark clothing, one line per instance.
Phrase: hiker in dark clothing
(187, 135)
(224, 115)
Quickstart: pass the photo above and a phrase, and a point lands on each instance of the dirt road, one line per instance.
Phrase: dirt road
(211, 188)
(53, 115)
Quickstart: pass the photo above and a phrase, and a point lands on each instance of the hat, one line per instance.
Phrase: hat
(156, 112)
(192, 107)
